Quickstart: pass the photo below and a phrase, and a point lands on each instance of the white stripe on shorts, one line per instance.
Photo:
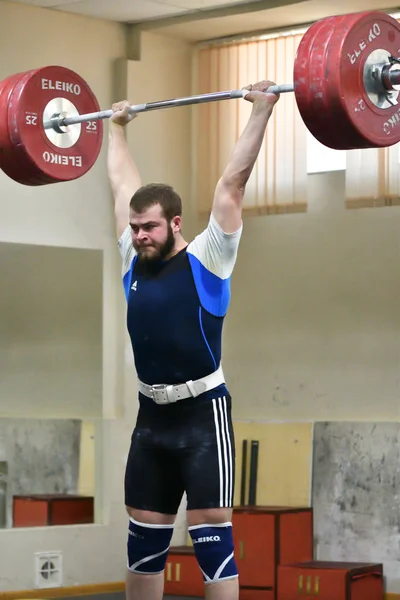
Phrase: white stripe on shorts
(224, 446)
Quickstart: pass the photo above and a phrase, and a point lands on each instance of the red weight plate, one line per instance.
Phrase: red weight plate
(9, 162)
(318, 116)
(36, 97)
(310, 84)
(355, 39)
(4, 139)
(13, 167)
(329, 129)
(301, 75)
(350, 137)
(18, 166)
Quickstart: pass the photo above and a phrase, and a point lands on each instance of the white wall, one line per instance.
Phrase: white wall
(313, 331)
(79, 215)
(160, 140)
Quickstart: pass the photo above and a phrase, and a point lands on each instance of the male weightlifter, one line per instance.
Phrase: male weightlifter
(177, 297)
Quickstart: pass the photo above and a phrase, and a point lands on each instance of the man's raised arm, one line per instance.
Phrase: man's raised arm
(123, 174)
(230, 189)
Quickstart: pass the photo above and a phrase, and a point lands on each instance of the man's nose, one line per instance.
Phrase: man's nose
(141, 234)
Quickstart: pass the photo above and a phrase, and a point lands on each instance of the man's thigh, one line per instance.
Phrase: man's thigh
(153, 480)
(209, 466)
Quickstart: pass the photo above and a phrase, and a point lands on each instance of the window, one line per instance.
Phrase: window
(373, 177)
(321, 159)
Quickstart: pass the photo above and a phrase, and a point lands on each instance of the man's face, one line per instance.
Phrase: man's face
(152, 236)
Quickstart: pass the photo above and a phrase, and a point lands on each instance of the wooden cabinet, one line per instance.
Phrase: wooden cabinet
(265, 537)
(52, 509)
(182, 575)
(248, 594)
(254, 540)
(331, 581)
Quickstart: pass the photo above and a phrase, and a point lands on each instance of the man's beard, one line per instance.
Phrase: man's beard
(162, 250)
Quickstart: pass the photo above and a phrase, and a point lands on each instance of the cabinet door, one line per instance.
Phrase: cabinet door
(294, 583)
(254, 539)
(295, 537)
(182, 577)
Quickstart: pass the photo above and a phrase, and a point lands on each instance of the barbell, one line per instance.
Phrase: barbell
(346, 81)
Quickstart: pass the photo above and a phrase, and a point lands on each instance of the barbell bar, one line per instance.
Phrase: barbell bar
(57, 122)
(345, 75)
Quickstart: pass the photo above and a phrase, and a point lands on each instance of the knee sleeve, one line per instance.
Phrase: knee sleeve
(213, 546)
(148, 547)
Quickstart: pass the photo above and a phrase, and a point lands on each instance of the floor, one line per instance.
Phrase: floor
(119, 596)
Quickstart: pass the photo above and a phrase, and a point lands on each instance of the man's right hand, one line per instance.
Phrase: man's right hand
(257, 93)
(121, 115)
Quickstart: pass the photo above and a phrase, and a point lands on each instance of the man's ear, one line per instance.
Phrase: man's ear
(176, 224)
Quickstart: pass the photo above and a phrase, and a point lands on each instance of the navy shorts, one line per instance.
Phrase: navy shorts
(187, 446)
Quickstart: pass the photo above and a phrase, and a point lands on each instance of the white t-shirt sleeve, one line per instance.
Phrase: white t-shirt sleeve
(126, 250)
(215, 249)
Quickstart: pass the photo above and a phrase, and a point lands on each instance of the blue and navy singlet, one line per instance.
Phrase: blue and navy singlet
(175, 311)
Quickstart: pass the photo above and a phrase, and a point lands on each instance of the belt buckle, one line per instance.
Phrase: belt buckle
(162, 393)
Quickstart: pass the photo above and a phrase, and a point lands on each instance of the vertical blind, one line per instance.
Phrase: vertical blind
(372, 177)
(278, 181)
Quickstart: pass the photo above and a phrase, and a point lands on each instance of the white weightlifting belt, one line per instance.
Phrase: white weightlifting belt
(163, 393)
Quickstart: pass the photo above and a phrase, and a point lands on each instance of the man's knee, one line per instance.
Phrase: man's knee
(148, 546)
(214, 550)
(150, 517)
(209, 515)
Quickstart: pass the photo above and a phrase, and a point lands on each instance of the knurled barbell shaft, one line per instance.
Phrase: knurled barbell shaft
(187, 100)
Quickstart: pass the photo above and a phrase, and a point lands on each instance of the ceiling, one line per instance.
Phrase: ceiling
(298, 14)
(198, 20)
(138, 10)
